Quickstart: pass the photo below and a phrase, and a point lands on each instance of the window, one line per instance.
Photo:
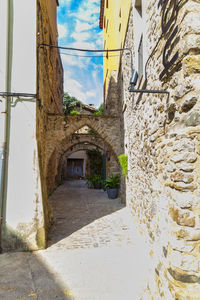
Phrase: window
(106, 3)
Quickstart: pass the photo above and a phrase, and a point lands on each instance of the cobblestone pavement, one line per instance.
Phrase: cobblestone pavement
(94, 253)
(86, 218)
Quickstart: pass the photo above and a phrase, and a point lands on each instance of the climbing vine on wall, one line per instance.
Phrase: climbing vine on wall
(96, 161)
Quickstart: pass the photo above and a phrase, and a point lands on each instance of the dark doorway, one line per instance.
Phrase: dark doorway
(75, 168)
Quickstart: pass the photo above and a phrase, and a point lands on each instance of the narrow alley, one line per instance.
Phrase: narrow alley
(92, 253)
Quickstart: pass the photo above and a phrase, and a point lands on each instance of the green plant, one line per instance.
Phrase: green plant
(27, 250)
(123, 160)
(96, 161)
(94, 181)
(48, 238)
(74, 112)
(113, 181)
(90, 131)
(69, 103)
(99, 111)
(61, 182)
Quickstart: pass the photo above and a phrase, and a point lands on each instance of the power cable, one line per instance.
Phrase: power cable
(87, 55)
(89, 50)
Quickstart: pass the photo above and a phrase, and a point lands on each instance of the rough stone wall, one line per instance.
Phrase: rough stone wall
(59, 138)
(49, 84)
(162, 140)
(113, 104)
(84, 142)
(111, 101)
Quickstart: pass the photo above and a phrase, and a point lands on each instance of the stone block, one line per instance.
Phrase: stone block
(189, 103)
(185, 199)
(189, 234)
(183, 217)
(185, 167)
(185, 262)
(185, 156)
(184, 144)
(181, 177)
(192, 64)
(193, 119)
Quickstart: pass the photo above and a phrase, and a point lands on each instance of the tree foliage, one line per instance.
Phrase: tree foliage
(69, 103)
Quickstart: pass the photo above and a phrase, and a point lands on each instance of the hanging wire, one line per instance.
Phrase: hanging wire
(68, 54)
(89, 50)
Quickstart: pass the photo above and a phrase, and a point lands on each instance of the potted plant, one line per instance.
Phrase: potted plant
(112, 185)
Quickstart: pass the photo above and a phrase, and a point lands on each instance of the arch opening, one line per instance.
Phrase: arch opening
(84, 138)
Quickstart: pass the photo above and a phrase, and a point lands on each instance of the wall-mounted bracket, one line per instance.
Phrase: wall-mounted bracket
(133, 90)
(8, 94)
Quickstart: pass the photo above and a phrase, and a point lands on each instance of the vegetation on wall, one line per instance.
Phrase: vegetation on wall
(69, 103)
(74, 112)
(123, 160)
(95, 181)
(99, 111)
(96, 161)
(96, 168)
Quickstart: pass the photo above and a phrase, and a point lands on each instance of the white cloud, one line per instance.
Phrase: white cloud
(91, 93)
(79, 90)
(74, 88)
(81, 36)
(70, 60)
(65, 2)
(83, 26)
(88, 15)
(84, 45)
(62, 31)
(88, 11)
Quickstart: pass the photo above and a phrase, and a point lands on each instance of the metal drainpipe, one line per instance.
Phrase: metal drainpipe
(5, 145)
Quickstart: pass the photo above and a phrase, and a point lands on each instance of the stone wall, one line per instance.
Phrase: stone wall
(162, 140)
(49, 85)
(60, 137)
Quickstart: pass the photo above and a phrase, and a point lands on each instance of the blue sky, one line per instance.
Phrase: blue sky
(78, 27)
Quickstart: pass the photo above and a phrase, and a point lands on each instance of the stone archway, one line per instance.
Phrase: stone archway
(77, 148)
(60, 136)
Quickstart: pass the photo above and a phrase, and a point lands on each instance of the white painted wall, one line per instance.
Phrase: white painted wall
(24, 212)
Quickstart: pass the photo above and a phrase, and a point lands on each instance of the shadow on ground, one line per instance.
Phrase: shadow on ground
(28, 276)
(74, 206)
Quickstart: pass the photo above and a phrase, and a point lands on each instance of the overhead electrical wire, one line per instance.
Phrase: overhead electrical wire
(68, 54)
(88, 50)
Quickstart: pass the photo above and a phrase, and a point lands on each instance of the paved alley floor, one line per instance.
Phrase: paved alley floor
(93, 252)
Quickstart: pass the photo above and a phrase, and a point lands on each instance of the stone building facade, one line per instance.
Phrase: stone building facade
(35, 75)
(161, 139)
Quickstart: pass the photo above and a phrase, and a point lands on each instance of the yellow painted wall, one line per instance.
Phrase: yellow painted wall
(115, 19)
